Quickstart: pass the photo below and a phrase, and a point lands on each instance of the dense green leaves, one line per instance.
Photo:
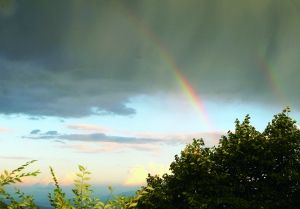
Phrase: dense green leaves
(248, 169)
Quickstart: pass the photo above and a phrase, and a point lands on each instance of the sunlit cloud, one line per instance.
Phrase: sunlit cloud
(210, 138)
(5, 130)
(66, 179)
(100, 147)
(138, 174)
(88, 127)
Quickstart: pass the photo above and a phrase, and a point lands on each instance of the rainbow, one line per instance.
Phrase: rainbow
(183, 82)
(195, 99)
(267, 70)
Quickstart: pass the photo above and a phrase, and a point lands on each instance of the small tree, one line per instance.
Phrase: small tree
(248, 169)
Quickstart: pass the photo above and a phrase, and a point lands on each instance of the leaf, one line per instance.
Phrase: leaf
(81, 168)
(132, 205)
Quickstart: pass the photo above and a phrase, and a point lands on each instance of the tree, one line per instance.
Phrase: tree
(248, 169)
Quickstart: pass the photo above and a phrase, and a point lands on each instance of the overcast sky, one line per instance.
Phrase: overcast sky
(122, 86)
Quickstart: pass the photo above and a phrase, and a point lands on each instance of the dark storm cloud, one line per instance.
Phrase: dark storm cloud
(7, 8)
(75, 58)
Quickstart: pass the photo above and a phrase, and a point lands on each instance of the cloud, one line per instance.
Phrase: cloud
(230, 50)
(94, 137)
(100, 147)
(65, 179)
(58, 61)
(4, 130)
(35, 118)
(210, 138)
(51, 133)
(88, 127)
(138, 174)
(35, 131)
(7, 8)
(141, 141)
(40, 89)
(136, 138)
(68, 179)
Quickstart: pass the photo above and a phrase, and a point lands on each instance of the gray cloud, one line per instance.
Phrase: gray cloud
(35, 118)
(51, 133)
(100, 142)
(35, 131)
(76, 58)
(95, 137)
(210, 138)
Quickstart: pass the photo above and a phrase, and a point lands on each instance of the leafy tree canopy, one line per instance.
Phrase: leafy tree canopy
(248, 169)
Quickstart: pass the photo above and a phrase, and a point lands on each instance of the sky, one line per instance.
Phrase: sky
(122, 86)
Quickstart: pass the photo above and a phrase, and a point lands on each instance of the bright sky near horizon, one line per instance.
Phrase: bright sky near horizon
(122, 86)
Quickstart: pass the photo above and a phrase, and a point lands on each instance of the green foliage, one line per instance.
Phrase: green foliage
(19, 199)
(248, 169)
(82, 191)
(83, 195)
(58, 198)
(82, 199)
(16, 175)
